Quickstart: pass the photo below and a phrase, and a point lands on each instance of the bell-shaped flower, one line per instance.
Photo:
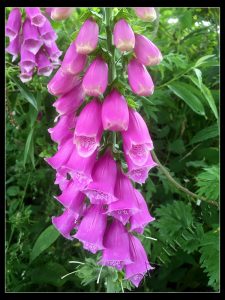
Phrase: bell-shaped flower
(47, 33)
(146, 13)
(146, 52)
(14, 47)
(44, 66)
(62, 155)
(53, 52)
(13, 24)
(73, 62)
(136, 271)
(123, 36)
(62, 130)
(61, 13)
(61, 180)
(31, 38)
(62, 83)
(115, 114)
(117, 249)
(139, 220)
(127, 203)
(24, 75)
(70, 101)
(95, 80)
(80, 168)
(92, 228)
(88, 131)
(27, 59)
(139, 173)
(101, 189)
(35, 16)
(139, 79)
(87, 38)
(65, 223)
(72, 198)
(137, 141)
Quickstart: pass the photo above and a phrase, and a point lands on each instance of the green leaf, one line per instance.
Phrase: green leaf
(25, 92)
(28, 146)
(45, 240)
(13, 190)
(203, 60)
(182, 90)
(210, 100)
(205, 134)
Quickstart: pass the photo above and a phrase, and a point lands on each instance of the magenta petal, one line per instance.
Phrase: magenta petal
(116, 242)
(88, 131)
(146, 13)
(73, 62)
(115, 114)
(14, 47)
(47, 33)
(80, 168)
(127, 204)
(146, 52)
(101, 189)
(139, 79)
(123, 36)
(139, 220)
(25, 76)
(31, 39)
(61, 180)
(13, 24)
(137, 141)
(92, 229)
(87, 38)
(61, 13)
(44, 65)
(95, 79)
(35, 16)
(27, 60)
(62, 83)
(70, 101)
(135, 271)
(53, 52)
(65, 223)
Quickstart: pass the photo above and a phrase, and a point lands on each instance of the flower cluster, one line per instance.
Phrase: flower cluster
(100, 202)
(35, 40)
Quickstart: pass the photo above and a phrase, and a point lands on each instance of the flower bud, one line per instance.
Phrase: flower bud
(87, 38)
(13, 24)
(44, 66)
(35, 16)
(146, 13)
(61, 13)
(139, 79)
(123, 36)
(115, 114)
(95, 79)
(31, 39)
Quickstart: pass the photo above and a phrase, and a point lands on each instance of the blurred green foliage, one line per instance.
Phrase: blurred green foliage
(183, 118)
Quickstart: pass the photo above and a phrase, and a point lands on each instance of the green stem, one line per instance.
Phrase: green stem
(179, 186)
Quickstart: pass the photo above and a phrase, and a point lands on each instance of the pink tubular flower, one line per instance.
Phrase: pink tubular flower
(35, 16)
(127, 203)
(44, 66)
(14, 47)
(92, 229)
(31, 39)
(62, 155)
(146, 52)
(47, 33)
(65, 223)
(136, 140)
(27, 60)
(70, 101)
(123, 36)
(80, 168)
(88, 131)
(62, 83)
(87, 38)
(73, 62)
(62, 130)
(115, 114)
(116, 242)
(135, 271)
(139, 79)
(53, 52)
(61, 13)
(13, 24)
(101, 189)
(96, 78)
(139, 173)
(139, 220)
(61, 180)
(146, 13)
(25, 76)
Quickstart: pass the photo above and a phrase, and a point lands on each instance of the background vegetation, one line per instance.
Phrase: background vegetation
(183, 119)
